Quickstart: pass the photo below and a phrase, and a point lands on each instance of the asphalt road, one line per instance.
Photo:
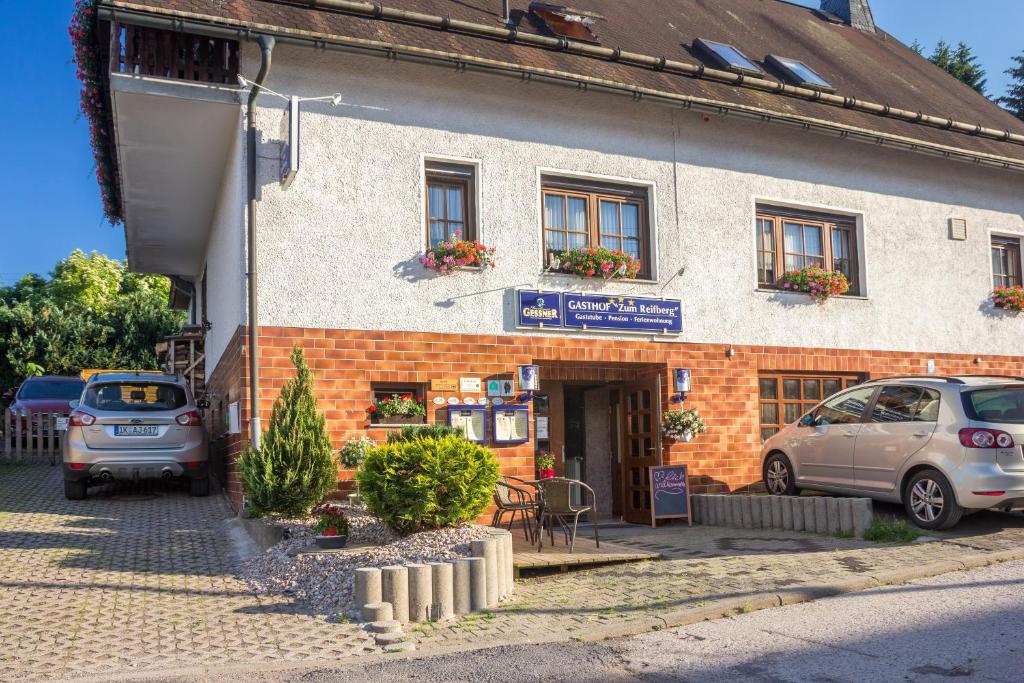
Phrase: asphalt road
(965, 625)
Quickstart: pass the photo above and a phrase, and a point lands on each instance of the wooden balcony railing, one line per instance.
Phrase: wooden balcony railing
(170, 54)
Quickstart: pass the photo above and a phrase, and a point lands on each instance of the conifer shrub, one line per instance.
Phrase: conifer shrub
(429, 482)
(294, 468)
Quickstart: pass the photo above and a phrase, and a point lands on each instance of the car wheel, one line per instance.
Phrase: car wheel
(74, 490)
(199, 487)
(930, 501)
(778, 476)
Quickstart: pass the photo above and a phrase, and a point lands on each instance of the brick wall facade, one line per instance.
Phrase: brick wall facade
(228, 383)
(347, 363)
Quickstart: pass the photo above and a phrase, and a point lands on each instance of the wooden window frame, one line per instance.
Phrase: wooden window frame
(447, 175)
(1010, 245)
(827, 224)
(846, 381)
(593, 194)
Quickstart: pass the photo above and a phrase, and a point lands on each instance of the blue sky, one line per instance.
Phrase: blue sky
(48, 191)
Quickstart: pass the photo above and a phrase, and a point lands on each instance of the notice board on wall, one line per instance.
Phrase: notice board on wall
(670, 493)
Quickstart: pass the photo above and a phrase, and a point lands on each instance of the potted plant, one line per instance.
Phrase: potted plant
(1009, 298)
(683, 425)
(447, 257)
(353, 453)
(821, 284)
(398, 409)
(546, 465)
(331, 526)
(610, 264)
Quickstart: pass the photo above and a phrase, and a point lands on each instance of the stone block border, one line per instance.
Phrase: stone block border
(816, 514)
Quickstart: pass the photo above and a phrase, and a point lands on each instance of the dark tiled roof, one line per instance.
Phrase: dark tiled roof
(873, 67)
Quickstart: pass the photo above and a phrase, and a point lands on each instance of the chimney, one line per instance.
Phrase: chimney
(856, 13)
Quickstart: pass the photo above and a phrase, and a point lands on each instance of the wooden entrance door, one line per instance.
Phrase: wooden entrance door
(641, 447)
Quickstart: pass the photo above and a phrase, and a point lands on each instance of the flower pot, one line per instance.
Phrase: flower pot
(332, 542)
(397, 419)
(687, 437)
(547, 474)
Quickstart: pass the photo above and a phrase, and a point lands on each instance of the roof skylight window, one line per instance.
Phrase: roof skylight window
(726, 56)
(799, 73)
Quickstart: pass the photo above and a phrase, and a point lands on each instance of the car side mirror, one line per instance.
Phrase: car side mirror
(73, 404)
(807, 420)
(203, 404)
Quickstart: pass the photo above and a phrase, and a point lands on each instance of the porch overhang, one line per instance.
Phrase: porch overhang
(173, 140)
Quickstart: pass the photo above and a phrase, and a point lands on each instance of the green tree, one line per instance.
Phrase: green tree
(1013, 100)
(294, 468)
(92, 313)
(960, 62)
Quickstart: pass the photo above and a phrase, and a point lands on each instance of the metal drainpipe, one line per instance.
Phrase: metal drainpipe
(267, 52)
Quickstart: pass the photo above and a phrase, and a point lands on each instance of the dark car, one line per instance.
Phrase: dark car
(45, 395)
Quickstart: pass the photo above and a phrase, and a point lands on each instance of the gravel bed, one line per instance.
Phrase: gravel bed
(323, 583)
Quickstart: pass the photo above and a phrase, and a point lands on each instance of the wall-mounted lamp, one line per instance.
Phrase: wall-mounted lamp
(730, 352)
(529, 381)
(681, 384)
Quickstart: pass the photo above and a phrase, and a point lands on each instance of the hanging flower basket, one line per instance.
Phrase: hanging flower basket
(821, 284)
(398, 409)
(1009, 298)
(599, 262)
(683, 425)
(448, 257)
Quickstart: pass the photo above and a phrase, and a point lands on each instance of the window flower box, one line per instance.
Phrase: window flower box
(1009, 298)
(398, 409)
(609, 264)
(821, 284)
(447, 257)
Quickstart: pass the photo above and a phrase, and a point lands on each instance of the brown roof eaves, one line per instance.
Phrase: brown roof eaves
(622, 64)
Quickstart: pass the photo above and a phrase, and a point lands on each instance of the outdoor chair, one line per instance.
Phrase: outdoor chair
(511, 499)
(556, 506)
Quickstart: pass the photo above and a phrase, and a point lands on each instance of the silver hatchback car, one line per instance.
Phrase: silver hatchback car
(942, 446)
(132, 426)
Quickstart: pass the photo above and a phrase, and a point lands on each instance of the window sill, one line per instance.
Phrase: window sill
(570, 276)
(394, 425)
(768, 290)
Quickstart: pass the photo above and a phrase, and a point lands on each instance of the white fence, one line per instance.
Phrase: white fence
(31, 438)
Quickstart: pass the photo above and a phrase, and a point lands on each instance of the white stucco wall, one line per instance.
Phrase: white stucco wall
(225, 257)
(339, 248)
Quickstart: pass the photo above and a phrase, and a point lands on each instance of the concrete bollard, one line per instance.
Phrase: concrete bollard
(477, 584)
(503, 559)
(787, 513)
(720, 519)
(798, 513)
(766, 512)
(755, 512)
(443, 586)
(695, 508)
(746, 513)
(510, 569)
(488, 549)
(846, 516)
(820, 515)
(367, 586)
(736, 511)
(460, 586)
(862, 516)
(810, 521)
(776, 504)
(833, 515)
(421, 594)
(377, 611)
(395, 590)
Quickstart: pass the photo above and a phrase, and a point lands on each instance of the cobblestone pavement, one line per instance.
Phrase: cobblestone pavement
(703, 564)
(142, 579)
(135, 578)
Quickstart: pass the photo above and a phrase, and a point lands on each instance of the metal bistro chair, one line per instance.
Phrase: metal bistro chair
(556, 506)
(511, 499)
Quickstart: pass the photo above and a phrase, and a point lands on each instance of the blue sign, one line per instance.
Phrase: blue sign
(538, 309)
(598, 312)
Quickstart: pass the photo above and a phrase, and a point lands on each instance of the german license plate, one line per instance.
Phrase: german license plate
(136, 430)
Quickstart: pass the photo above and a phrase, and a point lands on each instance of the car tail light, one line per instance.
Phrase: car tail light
(80, 418)
(76, 465)
(190, 419)
(985, 438)
(988, 493)
(193, 464)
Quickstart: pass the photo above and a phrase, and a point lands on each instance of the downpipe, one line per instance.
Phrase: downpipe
(266, 44)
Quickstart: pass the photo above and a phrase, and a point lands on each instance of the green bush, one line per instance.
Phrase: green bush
(428, 482)
(410, 432)
(891, 531)
(294, 469)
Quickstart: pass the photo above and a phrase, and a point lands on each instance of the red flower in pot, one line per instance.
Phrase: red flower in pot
(546, 465)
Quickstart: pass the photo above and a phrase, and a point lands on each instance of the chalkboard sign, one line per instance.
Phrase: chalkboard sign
(670, 493)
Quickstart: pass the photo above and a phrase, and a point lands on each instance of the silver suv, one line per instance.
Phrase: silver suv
(942, 446)
(131, 426)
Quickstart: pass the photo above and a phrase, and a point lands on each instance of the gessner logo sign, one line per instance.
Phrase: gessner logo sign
(568, 310)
